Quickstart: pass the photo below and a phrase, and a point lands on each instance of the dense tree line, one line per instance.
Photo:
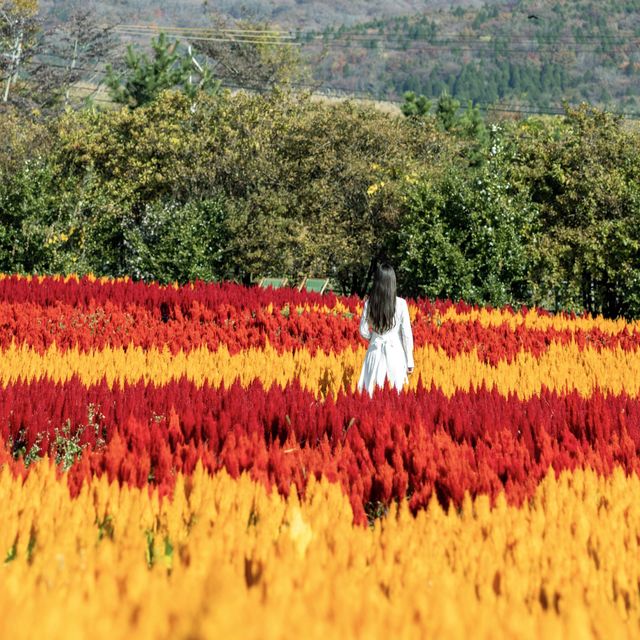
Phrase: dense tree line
(542, 211)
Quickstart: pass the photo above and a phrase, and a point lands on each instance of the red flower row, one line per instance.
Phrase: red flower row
(111, 325)
(86, 292)
(379, 449)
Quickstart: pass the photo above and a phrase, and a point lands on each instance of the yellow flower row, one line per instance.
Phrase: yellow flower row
(64, 278)
(227, 559)
(561, 368)
(535, 320)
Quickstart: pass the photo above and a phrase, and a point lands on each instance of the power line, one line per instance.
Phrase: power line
(487, 38)
(239, 36)
(397, 43)
(204, 30)
(630, 37)
(479, 46)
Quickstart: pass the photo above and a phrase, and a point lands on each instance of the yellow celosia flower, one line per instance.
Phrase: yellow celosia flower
(225, 557)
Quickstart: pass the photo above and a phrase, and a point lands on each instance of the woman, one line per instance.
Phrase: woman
(386, 324)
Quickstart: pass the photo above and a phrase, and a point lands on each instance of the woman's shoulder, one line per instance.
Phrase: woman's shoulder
(401, 302)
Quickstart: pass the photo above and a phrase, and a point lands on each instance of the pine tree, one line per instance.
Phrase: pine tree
(473, 128)
(446, 111)
(143, 79)
(415, 105)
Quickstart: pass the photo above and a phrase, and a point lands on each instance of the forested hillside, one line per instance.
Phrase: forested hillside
(523, 55)
(531, 53)
(294, 14)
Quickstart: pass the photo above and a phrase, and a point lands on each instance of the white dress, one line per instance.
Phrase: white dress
(390, 354)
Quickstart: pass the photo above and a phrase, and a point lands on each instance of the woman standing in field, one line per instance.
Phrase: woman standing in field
(385, 323)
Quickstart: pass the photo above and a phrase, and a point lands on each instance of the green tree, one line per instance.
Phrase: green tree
(178, 242)
(465, 236)
(447, 111)
(132, 168)
(307, 187)
(235, 186)
(471, 126)
(315, 186)
(28, 183)
(582, 173)
(143, 79)
(415, 105)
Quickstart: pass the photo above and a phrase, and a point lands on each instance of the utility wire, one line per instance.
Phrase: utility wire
(622, 37)
(488, 38)
(250, 36)
(204, 30)
(396, 43)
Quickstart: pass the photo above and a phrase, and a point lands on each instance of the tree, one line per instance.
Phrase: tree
(19, 27)
(305, 187)
(66, 53)
(142, 79)
(582, 174)
(177, 242)
(250, 55)
(415, 105)
(468, 125)
(447, 111)
(27, 187)
(472, 127)
(41, 64)
(466, 235)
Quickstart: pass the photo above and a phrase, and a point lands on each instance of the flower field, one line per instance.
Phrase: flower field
(194, 462)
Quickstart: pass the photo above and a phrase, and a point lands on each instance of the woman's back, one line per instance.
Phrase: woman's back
(401, 306)
(390, 352)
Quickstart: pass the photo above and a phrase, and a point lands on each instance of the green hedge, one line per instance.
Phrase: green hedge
(543, 211)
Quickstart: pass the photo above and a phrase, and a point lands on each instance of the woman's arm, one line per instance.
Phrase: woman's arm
(407, 336)
(365, 330)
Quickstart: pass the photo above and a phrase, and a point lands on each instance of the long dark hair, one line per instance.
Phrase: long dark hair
(382, 301)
